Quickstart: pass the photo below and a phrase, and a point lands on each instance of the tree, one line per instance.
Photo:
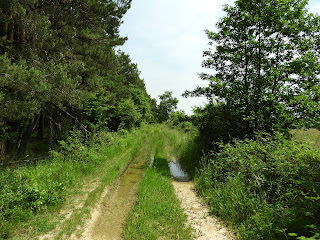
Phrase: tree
(59, 70)
(167, 105)
(266, 63)
(178, 117)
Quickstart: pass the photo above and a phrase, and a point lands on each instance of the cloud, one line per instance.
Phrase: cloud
(314, 6)
(166, 40)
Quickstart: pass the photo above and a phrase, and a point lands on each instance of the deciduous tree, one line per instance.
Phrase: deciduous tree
(167, 105)
(265, 62)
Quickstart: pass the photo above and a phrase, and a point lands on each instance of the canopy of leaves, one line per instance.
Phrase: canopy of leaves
(59, 70)
(167, 105)
(265, 62)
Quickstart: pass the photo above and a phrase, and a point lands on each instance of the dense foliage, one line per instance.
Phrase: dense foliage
(26, 191)
(266, 66)
(265, 80)
(167, 105)
(219, 123)
(268, 188)
(59, 70)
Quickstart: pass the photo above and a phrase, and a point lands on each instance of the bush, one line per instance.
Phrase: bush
(177, 117)
(73, 148)
(27, 190)
(220, 123)
(187, 127)
(267, 187)
(22, 194)
(180, 121)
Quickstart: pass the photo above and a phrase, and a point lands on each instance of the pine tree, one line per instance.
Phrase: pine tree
(60, 70)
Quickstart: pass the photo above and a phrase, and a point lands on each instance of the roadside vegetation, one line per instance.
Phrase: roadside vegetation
(63, 86)
(310, 136)
(268, 188)
(31, 195)
(185, 145)
(265, 85)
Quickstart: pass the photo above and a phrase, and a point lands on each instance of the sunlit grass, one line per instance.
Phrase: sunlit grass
(186, 147)
(311, 136)
(49, 186)
(157, 214)
(31, 196)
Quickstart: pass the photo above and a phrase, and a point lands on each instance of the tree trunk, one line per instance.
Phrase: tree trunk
(52, 127)
(2, 148)
(11, 31)
(5, 31)
(3, 142)
(8, 145)
(25, 137)
(41, 125)
(23, 38)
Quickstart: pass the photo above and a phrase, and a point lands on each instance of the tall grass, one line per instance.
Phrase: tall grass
(267, 188)
(185, 146)
(27, 192)
(310, 136)
(157, 214)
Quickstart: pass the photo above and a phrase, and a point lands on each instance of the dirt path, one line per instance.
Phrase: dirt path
(111, 213)
(207, 227)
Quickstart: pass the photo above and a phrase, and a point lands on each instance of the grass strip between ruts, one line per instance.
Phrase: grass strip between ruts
(157, 214)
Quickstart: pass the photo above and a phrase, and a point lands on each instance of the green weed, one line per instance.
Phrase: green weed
(268, 188)
(186, 146)
(310, 136)
(157, 214)
(31, 195)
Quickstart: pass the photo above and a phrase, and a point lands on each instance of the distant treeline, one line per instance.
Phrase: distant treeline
(60, 70)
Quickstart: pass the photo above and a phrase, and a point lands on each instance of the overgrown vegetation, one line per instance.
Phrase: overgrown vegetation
(157, 214)
(187, 147)
(59, 72)
(219, 123)
(268, 188)
(310, 136)
(29, 194)
(265, 57)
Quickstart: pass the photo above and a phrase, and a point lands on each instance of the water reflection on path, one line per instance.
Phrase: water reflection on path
(177, 172)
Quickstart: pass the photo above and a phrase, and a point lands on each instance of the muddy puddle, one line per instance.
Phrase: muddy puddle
(151, 162)
(108, 220)
(177, 172)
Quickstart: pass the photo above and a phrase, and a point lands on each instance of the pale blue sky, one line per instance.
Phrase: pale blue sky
(166, 40)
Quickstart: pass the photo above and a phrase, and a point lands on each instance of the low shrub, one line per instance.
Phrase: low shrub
(268, 187)
(187, 127)
(24, 192)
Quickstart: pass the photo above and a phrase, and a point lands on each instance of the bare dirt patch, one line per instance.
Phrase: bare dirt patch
(75, 202)
(206, 227)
